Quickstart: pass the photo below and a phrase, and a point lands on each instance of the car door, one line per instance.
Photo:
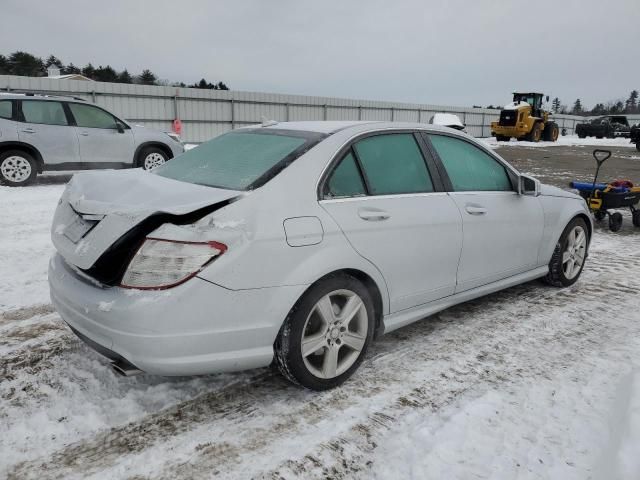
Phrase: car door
(502, 229)
(45, 125)
(393, 211)
(105, 142)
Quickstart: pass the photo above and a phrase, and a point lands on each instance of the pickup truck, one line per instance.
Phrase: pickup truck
(635, 136)
(609, 126)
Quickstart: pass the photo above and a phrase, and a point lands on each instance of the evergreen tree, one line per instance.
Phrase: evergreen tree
(105, 74)
(577, 107)
(555, 105)
(70, 70)
(4, 66)
(599, 109)
(221, 86)
(53, 61)
(632, 102)
(124, 77)
(89, 71)
(147, 77)
(25, 64)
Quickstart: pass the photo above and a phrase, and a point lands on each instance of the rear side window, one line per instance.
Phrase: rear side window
(6, 109)
(49, 113)
(235, 160)
(345, 181)
(91, 117)
(468, 167)
(393, 164)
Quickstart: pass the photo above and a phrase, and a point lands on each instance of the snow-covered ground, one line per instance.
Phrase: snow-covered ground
(532, 382)
(566, 141)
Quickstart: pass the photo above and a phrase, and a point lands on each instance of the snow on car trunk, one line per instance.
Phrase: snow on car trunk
(97, 208)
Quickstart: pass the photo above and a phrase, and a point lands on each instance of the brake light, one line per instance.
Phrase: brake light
(159, 264)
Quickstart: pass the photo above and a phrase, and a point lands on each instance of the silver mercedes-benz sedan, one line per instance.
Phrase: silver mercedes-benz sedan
(299, 244)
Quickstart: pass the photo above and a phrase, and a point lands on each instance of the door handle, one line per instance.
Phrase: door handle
(373, 215)
(475, 209)
(28, 130)
(84, 134)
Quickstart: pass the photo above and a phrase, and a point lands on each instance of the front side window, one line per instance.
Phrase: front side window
(468, 167)
(6, 109)
(236, 160)
(392, 164)
(38, 111)
(87, 116)
(345, 181)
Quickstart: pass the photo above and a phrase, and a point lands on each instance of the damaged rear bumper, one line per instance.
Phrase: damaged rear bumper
(195, 328)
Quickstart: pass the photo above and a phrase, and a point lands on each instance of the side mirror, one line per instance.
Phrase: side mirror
(528, 186)
(119, 127)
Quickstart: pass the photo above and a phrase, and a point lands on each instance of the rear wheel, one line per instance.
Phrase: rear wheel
(502, 138)
(569, 255)
(536, 133)
(600, 215)
(638, 145)
(17, 168)
(326, 334)
(615, 222)
(151, 157)
(635, 217)
(582, 135)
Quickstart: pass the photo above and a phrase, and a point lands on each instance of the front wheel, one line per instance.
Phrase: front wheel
(326, 334)
(17, 168)
(569, 255)
(152, 157)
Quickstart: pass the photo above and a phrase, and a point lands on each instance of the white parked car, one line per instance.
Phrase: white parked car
(299, 243)
(447, 120)
(41, 133)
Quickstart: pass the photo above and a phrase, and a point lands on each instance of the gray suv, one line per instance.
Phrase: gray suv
(40, 133)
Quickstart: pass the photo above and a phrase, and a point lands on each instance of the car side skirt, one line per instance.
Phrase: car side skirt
(405, 317)
(85, 166)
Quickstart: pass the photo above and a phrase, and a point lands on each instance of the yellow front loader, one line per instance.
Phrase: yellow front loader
(525, 119)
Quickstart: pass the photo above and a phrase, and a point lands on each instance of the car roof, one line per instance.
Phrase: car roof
(39, 96)
(329, 127)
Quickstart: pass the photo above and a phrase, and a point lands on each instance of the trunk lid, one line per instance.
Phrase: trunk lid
(97, 208)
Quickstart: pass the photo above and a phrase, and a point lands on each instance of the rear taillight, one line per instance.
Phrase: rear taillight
(160, 264)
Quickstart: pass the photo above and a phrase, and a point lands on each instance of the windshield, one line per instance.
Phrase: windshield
(239, 160)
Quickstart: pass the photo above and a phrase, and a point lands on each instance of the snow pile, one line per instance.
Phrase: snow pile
(569, 140)
(25, 244)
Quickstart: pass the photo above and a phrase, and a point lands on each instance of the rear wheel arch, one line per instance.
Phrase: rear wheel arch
(369, 283)
(25, 147)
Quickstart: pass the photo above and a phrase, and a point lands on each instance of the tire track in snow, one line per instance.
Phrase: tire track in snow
(482, 345)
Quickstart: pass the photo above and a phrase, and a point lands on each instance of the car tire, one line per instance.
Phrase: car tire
(638, 146)
(635, 218)
(615, 222)
(17, 168)
(563, 271)
(502, 138)
(582, 135)
(334, 322)
(151, 157)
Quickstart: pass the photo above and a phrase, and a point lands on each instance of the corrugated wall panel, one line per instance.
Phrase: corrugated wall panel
(208, 113)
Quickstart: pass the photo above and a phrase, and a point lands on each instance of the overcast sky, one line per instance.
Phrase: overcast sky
(460, 52)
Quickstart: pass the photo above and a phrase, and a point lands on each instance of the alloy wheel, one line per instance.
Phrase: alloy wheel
(153, 160)
(334, 334)
(574, 254)
(15, 169)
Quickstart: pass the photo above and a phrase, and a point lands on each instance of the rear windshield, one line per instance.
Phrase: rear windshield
(239, 160)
